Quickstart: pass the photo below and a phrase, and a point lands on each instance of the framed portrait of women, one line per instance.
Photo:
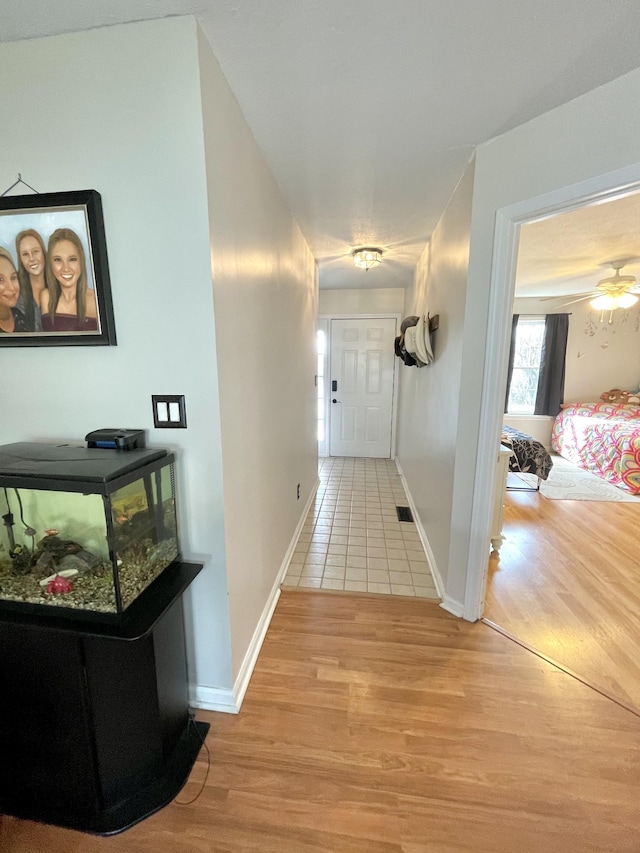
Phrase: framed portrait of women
(54, 273)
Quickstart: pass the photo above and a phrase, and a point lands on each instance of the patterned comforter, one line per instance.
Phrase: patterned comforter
(529, 455)
(603, 438)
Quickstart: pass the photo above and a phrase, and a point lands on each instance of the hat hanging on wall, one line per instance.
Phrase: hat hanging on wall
(423, 341)
(414, 342)
(408, 321)
(410, 344)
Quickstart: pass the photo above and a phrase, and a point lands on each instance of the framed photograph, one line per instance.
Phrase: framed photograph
(54, 275)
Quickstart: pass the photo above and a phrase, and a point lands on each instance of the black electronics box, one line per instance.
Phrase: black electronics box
(116, 439)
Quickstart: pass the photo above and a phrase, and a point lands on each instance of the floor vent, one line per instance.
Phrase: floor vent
(404, 513)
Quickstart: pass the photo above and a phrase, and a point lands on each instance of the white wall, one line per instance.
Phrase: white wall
(566, 146)
(429, 403)
(368, 301)
(600, 355)
(265, 294)
(119, 110)
(537, 426)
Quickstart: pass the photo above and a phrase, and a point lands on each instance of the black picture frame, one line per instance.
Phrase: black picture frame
(76, 211)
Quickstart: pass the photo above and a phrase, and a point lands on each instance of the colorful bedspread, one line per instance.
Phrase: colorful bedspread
(603, 438)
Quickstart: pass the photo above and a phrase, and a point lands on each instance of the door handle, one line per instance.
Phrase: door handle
(336, 401)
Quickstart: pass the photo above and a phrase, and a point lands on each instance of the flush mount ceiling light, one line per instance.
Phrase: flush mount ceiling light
(367, 258)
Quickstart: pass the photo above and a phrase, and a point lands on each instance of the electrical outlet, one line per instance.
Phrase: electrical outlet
(298, 492)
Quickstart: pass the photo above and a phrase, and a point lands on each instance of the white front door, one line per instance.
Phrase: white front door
(360, 387)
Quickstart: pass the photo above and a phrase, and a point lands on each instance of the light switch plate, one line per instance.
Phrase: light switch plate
(169, 411)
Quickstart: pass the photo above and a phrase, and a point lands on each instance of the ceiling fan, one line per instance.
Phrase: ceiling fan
(615, 291)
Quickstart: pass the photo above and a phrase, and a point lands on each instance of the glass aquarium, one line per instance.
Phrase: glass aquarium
(84, 530)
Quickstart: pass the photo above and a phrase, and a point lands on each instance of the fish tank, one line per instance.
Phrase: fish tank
(85, 530)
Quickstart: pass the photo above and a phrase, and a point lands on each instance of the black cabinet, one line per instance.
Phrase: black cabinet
(95, 730)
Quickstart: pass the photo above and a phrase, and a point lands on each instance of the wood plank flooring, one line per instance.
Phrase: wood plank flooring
(567, 582)
(378, 724)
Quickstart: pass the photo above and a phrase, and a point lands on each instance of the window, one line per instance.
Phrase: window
(526, 365)
(322, 349)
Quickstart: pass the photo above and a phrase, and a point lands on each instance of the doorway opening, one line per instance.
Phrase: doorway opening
(565, 582)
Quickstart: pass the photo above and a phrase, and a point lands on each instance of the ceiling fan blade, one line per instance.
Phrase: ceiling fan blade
(580, 299)
(550, 298)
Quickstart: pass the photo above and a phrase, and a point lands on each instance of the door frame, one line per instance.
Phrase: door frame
(508, 220)
(327, 318)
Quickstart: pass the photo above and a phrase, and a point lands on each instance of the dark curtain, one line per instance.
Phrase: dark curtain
(512, 352)
(552, 365)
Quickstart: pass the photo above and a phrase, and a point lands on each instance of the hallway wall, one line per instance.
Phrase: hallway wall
(381, 300)
(430, 408)
(266, 298)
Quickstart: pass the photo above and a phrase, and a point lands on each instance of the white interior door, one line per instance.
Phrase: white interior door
(362, 374)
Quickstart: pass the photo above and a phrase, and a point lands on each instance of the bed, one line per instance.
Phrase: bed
(603, 438)
(528, 455)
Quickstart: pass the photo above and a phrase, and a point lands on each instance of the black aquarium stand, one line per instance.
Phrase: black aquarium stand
(95, 731)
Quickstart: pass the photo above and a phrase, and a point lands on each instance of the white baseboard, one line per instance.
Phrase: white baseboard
(296, 533)
(230, 701)
(212, 699)
(422, 533)
(452, 606)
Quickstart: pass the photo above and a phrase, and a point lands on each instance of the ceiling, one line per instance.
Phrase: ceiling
(367, 111)
(570, 252)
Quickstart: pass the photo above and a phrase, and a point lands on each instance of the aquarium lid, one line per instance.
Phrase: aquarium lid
(70, 462)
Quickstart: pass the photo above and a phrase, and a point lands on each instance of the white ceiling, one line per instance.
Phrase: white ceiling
(367, 111)
(570, 252)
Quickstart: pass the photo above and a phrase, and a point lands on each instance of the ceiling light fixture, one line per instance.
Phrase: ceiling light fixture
(367, 258)
(614, 291)
(609, 302)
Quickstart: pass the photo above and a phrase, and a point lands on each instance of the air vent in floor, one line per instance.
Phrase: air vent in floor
(404, 513)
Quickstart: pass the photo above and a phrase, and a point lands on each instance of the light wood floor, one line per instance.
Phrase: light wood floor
(567, 582)
(378, 724)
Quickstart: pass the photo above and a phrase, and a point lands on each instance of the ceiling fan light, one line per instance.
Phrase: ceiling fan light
(627, 300)
(366, 259)
(609, 302)
(604, 303)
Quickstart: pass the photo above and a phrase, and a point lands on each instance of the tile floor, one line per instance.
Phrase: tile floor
(352, 539)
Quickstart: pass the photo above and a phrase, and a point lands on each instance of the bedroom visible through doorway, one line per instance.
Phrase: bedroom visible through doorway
(565, 581)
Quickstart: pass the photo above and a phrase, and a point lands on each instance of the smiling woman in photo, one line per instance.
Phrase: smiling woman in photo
(11, 318)
(67, 304)
(31, 256)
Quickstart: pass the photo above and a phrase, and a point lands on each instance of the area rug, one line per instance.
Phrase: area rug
(567, 482)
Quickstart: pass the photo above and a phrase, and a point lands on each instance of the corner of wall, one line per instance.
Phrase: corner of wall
(230, 701)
